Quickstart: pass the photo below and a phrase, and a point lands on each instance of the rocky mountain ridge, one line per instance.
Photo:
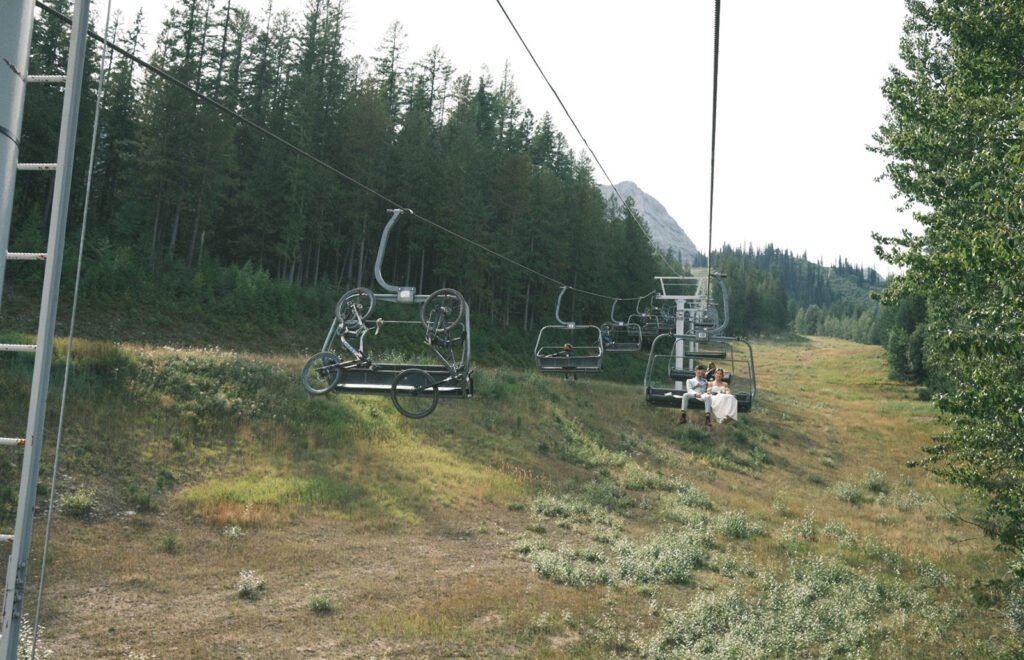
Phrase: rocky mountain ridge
(665, 231)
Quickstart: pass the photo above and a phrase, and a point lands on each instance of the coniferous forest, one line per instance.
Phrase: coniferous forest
(181, 185)
(194, 206)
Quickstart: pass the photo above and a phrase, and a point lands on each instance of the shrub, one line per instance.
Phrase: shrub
(605, 493)
(734, 525)
(876, 482)
(668, 559)
(695, 497)
(1015, 610)
(577, 567)
(848, 492)
(141, 498)
(637, 478)
(169, 543)
(320, 603)
(804, 529)
(78, 504)
(251, 585)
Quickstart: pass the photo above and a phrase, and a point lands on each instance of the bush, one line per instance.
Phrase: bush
(141, 498)
(77, 504)
(577, 567)
(169, 543)
(876, 482)
(734, 525)
(251, 585)
(668, 559)
(321, 603)
(848, 492)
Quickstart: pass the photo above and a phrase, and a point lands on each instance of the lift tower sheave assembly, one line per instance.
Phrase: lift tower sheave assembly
(16, 18)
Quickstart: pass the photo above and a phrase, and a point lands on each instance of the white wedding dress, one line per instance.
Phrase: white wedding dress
(723, 404)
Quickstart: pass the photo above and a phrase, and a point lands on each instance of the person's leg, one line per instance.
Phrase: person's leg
(686, 402)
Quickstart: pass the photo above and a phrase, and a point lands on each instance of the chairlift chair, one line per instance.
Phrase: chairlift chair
(621, 336)
(568, 348)
(414, 388)
(673, 359)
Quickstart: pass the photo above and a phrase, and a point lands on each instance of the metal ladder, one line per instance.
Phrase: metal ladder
(16, 19)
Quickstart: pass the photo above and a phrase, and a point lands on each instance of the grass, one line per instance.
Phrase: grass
(542, 518)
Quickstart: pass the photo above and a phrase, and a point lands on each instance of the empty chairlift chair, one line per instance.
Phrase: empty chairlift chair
(621, 336)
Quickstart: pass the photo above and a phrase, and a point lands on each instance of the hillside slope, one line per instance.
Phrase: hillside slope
(220, 511)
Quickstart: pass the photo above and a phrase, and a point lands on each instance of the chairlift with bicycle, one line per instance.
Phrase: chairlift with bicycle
(414, 387)
(621, 336)
(568, 348)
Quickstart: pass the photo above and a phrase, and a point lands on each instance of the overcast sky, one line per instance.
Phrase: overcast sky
(799, 99)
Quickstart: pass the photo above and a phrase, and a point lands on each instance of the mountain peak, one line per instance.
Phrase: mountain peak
(665, 231)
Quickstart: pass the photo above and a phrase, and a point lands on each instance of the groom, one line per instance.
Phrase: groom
(697, 388)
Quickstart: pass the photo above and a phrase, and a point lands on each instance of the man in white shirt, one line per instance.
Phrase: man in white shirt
(697, 388)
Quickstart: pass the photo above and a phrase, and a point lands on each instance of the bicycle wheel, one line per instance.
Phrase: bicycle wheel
(359, 300)
(321, 373)
(414, 393)
(442, 310)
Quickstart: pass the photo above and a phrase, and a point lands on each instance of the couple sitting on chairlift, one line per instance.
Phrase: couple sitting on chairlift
(714, 394)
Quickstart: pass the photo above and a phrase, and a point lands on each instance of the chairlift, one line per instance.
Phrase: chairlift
(653, 318)
(698, 339)
(621, 336)
(568, 348)
(414, 387)
(673, 360)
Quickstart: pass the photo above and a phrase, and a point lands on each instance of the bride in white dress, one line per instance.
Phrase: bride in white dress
(723, 404)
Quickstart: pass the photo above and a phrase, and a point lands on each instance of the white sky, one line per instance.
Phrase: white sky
(799, 98)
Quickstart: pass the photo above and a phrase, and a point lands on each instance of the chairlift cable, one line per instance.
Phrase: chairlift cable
(714, 121)
(643, 226)
(71, 328)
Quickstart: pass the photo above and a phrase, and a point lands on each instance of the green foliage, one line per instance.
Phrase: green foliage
(78, 504)
(669, 558)
(822, 609)
(952, 148)
(846, 491)
(251, 585)
(734, 525)
(141, 498)
(772, 290)
(169, 543)
(321, 603)
(577, 567)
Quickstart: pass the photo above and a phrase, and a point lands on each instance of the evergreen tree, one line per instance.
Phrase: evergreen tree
(952, 145)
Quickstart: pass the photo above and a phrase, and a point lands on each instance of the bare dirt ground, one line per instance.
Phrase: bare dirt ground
(127, 596)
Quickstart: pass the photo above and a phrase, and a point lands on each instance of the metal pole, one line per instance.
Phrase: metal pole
(17, 565)
(15, 40)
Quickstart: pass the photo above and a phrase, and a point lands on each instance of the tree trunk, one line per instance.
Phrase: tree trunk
(526, 308)
(156, 228)
(423, 263)
(174, 229)
(362, 254)
(350, 264)
(316, 262)
(195, 231)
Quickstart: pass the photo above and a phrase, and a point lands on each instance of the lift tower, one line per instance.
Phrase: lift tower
(16, 18)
